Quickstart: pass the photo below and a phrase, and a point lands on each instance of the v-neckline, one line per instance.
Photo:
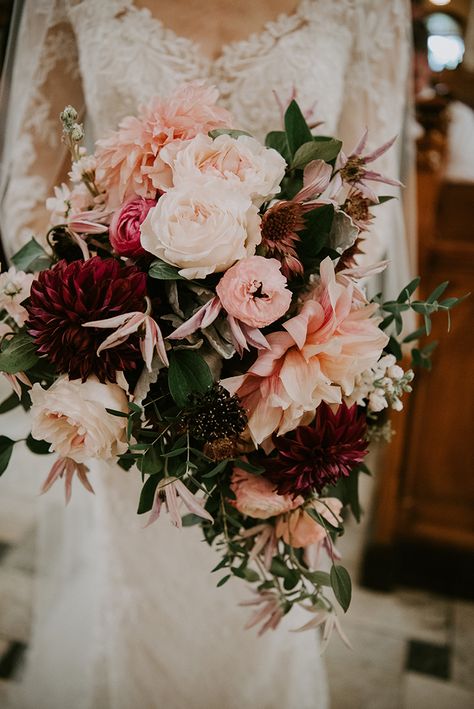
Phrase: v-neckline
(271, 29)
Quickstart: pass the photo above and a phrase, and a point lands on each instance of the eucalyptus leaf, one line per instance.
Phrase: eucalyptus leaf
(341, 585)
(9, 403)
(150, 462)
(18, 354)
(38, 446)
(6, 449)
(147, 495)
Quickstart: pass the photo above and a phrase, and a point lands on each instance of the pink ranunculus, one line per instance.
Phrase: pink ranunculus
(128, 161)
(255, 496)
(299, 529)
(254, 291)
(125, 227)
(317, 358)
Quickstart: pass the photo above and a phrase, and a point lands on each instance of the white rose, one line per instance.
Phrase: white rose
(202, 228)
(71, 416)
(243, 160)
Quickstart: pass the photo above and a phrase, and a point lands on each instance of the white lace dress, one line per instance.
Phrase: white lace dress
(128, 617)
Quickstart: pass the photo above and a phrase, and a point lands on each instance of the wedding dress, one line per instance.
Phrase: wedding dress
(127, 616)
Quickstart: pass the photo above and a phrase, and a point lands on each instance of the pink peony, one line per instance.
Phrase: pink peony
(298, 529)
(255, 496)
(125, 227)
(128, 161)
(254, 291)
(332, 340)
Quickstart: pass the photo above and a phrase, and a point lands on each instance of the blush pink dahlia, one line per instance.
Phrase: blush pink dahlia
(255, 291)
(65, 297)
(128, 161)
(316, 358)
(124, 229)
(317, 455)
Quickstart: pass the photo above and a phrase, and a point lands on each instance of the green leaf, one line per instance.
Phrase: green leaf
(150, 462)
(216, 470)
(164, 271)
(10, 403)
(439, 290)
(228, 131)
(383, 198)
(341, 585)
(315, 237)
(223, 580)
(415, 335)
(190, 520)
(114, 412)
(406, 292)
(31, 257)
(188, 372)
(6, 449)
(297, 130)
(394, 348)
(277, 140)
(18, 355)
(326, 149)
(319, 578)
(291, 580)
(249, 467)
(279, 568)
(147, 495)
(38, 446)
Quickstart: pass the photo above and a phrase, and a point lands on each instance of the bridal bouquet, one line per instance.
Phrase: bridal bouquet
(197, 313)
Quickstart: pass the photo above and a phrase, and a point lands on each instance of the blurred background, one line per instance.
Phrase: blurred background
(411, 623)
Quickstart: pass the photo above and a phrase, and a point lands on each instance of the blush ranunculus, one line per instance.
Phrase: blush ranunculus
(251, 166)
(124, 231)
(202, 230)
(255, 496)
(255, 291)
(299, 529)
(129, 162)
(331, 340)
(72, 416)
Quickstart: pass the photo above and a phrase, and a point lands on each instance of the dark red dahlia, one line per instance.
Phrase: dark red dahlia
(69, 294)
(311, 457)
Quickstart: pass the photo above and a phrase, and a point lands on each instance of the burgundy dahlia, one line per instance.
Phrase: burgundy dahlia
(67, 295)
(311, 457)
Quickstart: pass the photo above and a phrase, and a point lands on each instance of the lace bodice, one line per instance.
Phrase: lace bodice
(346, 61)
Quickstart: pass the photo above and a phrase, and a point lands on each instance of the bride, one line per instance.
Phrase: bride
(127, 616)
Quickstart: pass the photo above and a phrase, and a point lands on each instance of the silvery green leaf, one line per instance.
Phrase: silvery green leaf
(173, 298)
(146, 379)
(343, 232)
(218, 343)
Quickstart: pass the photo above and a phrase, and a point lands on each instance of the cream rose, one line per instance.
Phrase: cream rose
(71, 416)
(251, 166)
(203, 228)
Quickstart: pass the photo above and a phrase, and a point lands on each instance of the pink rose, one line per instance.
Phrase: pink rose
(254, 291)
(255, 496)
(124, 230)
(298, 529)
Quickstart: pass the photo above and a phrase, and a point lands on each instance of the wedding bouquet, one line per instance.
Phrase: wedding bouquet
(198, 311)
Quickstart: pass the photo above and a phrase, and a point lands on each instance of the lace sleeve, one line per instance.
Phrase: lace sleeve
(376, 96)
(44, 77)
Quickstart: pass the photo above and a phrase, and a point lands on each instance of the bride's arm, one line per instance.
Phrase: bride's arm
(42, 77)
(377, 96)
